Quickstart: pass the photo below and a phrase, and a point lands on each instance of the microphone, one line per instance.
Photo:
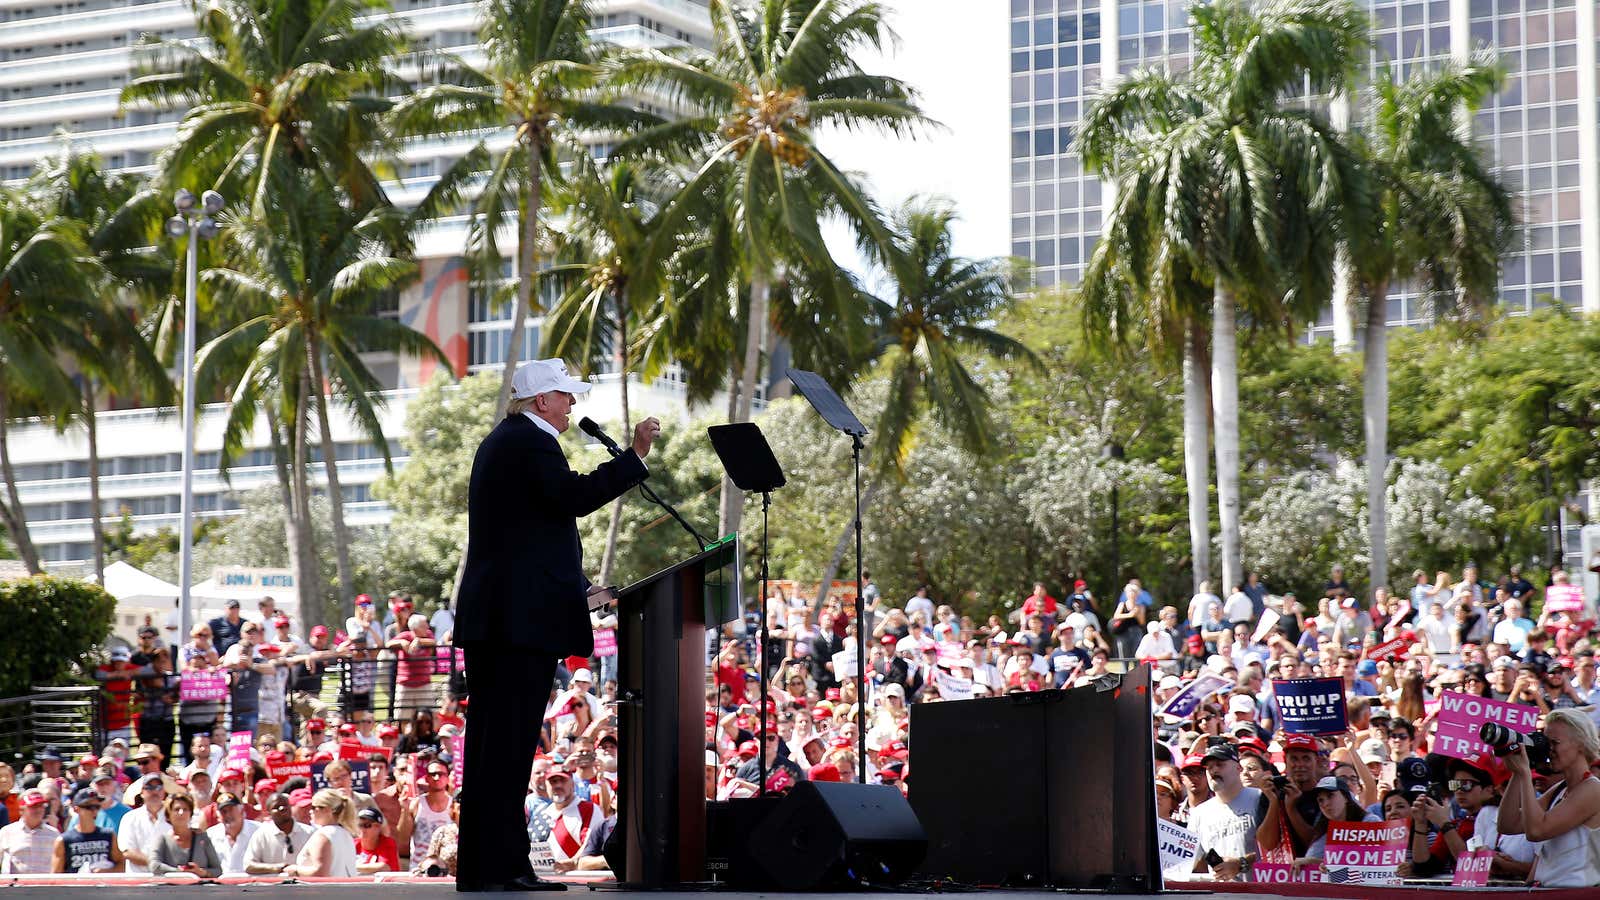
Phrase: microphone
(588, 426)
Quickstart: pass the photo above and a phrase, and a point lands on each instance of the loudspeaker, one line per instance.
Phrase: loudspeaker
(1086, 816)
(828, 834)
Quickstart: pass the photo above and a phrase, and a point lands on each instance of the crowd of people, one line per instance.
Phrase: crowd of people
(351, 764)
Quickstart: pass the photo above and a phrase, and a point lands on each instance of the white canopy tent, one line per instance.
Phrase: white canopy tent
(139, 595)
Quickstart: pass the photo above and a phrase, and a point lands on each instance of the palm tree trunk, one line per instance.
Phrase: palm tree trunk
(97, 527)
(527, 274)
(615, 526)
(330, 464)
(1375, 422)
(731, 512)
(11, 510)
(280, 463)
(1196, 469)
(1225, 402)
(841, 547)
(311, 605)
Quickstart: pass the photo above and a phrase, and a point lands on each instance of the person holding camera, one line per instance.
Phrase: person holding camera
(1565, 821)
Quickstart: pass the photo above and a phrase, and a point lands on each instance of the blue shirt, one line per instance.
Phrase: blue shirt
(111, 816)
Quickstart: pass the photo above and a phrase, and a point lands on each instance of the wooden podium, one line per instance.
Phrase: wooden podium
(661, 691)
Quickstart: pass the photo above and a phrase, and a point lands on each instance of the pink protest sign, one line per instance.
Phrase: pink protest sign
(1285, 873)
(200, 687)
(1472, 868)
(1563, 598)
(1365, 852)
(239, 748)
(458, 757)
(1461, 714)
(605, 642)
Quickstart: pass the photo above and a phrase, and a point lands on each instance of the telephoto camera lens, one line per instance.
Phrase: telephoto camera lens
(1503, 739)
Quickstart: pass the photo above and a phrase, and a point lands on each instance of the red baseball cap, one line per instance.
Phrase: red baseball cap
(347, 728)
(269, 649)
(895, 749)
(748, 749)
(324, 756)
(1079, 585)
(1254, 745)
(819, 714)
(363, 600)
(282, 621)
(91, 761)
(1490, 765)
(825, 772)
(32, 798)
(274, 757)
(1300, 742)
(842, 743)
(230, 773)
(1193, 761)
(300, 797)
(388, 731)
(319, 630)
(888, 639)
(266, 784)
(832, 694)
(316, 725)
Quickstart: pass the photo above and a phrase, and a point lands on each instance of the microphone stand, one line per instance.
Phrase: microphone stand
(700, 539)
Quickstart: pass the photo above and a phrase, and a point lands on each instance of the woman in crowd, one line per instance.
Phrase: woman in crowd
(1565, 821)
(183, 849)
(1396, 805)
(1336, 804)
(1412, 704)
(331, 852)
(419, 733)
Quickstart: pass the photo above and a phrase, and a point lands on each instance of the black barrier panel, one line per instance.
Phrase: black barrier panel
(1083, 811)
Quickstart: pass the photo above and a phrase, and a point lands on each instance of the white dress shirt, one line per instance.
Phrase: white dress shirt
(232, 852)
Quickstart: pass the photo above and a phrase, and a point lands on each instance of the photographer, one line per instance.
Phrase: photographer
(1294, 803)
(1472, 785)
(1565, 822)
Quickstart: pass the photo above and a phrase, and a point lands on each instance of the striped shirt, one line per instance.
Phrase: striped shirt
(27, 851)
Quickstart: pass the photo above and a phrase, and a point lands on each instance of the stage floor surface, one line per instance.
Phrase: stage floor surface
(418, 889)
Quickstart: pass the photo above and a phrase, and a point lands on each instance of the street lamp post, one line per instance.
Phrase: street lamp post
(1113, 451)
(195, 222)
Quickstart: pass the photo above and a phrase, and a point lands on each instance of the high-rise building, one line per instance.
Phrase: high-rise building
(1541, 132)
(63, 66)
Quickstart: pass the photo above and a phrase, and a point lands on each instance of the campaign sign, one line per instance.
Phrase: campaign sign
(282, 772)
(605, 642)
(358, 750)
(201, 687)
(953, 687)
(844, 663)
(1472, 868)
(1365, 852)
(1399, 648)
(458, 757)
(951, 653)
(1460, 715)
(1269, 621)
(1563, 598)
(1311, 705)
(1183, 704)
(1179, 846)
(541, 858)
(360, 778)
(239, 749)
(1284, 873)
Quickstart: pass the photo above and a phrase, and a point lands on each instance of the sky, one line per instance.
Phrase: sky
(954, 53)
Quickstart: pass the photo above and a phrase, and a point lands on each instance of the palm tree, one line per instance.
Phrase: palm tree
(539, 81)
(925, 339)
(48, 306)
(274, 85)
(115, 216)
(1441, 216)
(309, 275)
(605, 278)
(751, 106)
(1244, 188)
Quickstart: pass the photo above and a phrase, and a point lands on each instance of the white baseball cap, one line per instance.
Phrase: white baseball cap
(541, 376)
(583, 675)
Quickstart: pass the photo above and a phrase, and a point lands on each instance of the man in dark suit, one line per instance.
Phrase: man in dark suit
(522, 606)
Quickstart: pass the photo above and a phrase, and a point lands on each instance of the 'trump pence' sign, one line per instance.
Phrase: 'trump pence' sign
(1460, 715)
(1311, 705)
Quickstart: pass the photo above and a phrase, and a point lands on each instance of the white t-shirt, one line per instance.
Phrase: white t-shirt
(1156, 645)
(922, 604)
(1200, 608)
(1437, 633)
(137, 832)
(1486, 833)
(1228, 828)
(1238, 608)
(232, 854)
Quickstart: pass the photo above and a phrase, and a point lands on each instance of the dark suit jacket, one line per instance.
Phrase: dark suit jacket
(524, 584)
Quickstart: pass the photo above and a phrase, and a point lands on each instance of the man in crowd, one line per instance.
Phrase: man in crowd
(227, 628)
(144, 824)
(86, 846)
(430, 810)
(27, 846)
(1227, 823)
(231, 836)
(276, 843)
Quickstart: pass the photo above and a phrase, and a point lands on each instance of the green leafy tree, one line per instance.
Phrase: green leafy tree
(65, 621)
(752, 107)
(1221, 180)
(1443, 217)
(274, 86)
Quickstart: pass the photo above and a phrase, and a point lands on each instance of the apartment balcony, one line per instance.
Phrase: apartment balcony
(111, 140)
(59, 108)
(135, 20)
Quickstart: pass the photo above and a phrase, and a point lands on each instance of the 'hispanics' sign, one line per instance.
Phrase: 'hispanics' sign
(1399, 648)
(1179, 846)
(1183, 704)
(281, 772)
(1460, 715)
(1365, 852)
(1311, 705)
(1472, 868)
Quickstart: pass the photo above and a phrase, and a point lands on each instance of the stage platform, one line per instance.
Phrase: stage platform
(404, 887)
